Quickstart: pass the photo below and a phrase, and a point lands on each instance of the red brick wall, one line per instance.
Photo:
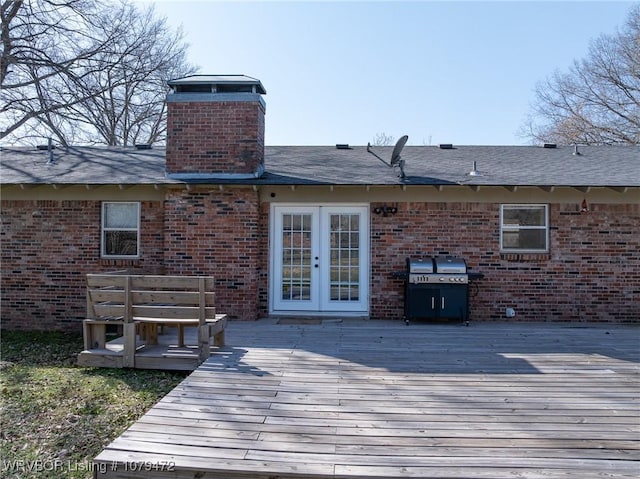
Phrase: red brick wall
(215, 137)
(48, 247)
(263, 260)
(217, 233)
(591, 273)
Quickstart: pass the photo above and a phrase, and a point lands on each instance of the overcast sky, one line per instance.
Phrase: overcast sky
(440, 72)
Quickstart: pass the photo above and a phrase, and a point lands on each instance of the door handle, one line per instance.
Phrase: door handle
(442, 303)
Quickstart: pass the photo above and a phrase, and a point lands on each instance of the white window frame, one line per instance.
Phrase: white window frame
(104, 229)
(544, 227)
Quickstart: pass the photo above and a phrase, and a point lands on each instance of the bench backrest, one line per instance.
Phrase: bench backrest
(150, 296)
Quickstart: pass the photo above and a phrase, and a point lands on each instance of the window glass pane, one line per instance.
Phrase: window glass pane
(525, 239)
(524, 228)
(344, 292)
(121, 243)
(524, 216)
(286, 291)
(335, 293)
(296, 257)
(335, 274)
(302, 291)
(354, 275)
(121, 215)
(354, 241)
(344, 241)
(354, 293)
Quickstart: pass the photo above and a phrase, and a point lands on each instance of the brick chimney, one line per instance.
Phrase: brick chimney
(215, 127)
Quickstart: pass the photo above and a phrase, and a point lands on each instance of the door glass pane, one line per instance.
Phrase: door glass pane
(296, 257)
(344, 268)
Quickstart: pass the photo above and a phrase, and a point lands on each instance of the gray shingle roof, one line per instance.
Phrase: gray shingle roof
(82, 165)
(326, 165)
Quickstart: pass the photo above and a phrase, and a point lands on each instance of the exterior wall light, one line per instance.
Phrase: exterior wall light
(385, 210)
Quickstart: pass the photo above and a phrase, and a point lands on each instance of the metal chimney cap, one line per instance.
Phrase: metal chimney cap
(214, 83)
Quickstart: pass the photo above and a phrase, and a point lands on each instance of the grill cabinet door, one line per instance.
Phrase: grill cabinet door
(422, 301)
(453, 302)
(427, 301)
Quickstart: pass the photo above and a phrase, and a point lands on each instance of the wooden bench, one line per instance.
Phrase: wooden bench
(140, 303)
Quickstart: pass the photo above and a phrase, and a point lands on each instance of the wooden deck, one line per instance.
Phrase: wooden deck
(166, 354)
(377, 399)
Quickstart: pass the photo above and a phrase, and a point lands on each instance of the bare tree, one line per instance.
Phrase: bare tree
(45, 52)
(382, 139)
(598, 100)
(86, 71)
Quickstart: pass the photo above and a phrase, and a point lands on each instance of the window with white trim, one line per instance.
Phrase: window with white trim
(524, 228)
(120, 230)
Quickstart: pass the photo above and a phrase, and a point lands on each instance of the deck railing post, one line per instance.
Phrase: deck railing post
(129, 328)
(203, 329)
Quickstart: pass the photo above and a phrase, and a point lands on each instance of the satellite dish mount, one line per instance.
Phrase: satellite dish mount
(396, 159)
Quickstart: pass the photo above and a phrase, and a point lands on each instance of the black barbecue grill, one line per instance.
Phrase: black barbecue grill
(437, 288)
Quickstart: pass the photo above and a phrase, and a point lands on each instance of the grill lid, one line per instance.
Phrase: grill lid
(451, 265)
(420, 266)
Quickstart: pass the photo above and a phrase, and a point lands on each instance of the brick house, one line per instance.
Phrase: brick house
(318, 230)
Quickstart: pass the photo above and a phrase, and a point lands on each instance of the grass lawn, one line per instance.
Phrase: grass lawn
(56, 417)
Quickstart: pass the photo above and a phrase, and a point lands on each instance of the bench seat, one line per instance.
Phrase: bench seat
(216, 327)
(138, 304)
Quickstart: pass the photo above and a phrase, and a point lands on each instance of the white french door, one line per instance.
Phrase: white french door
(320, 259)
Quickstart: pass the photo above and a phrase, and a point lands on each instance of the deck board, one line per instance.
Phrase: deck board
(376, 399)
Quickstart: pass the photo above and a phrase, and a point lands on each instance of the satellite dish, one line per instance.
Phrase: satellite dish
(395, 156)
(396, 159)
